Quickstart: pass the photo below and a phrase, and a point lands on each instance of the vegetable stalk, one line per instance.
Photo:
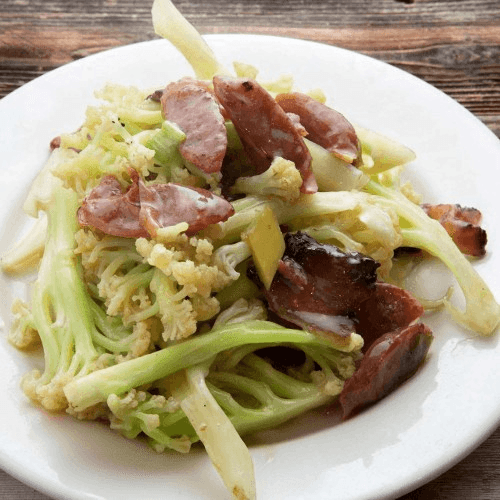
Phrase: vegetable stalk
(118, 379)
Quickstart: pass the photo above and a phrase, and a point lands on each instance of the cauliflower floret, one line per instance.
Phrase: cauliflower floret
(190, 265)
(106, 144)
(158, 255)
(126, 295)
(227, 257)
(175, 310)
(281, 179)
(49, 395)
(242, 310)
(124, 274)
(205, 307)
(22, 334)
(131, 105)
(203, 248)
(204, 279)
(140, 157)
(100, 411)
(183, 283)
(142, 340)
(121, 95)
(158, 417)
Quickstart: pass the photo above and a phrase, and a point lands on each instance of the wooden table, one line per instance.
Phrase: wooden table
(452, 44)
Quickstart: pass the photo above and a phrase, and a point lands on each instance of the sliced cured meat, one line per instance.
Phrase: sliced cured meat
(296, 121)
(325, 126)
(387, 308)
(113, 210)
(191, 105)
(140, 210)
(462, 224)
(324, 290)
(391, 360)
(265, 130)
(164, 205)
(318, 287)
(445, 210)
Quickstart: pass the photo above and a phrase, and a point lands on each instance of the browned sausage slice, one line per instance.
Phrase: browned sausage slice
(387, 364)
(325, 126)
(113, 210)
(324, 290)
(388, 308)
(191, 105)
(318, 286)
(140, 210)
(462, 224)
(164, 205)
(265, 130)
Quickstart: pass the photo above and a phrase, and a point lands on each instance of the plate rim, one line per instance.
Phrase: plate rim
(54, 73)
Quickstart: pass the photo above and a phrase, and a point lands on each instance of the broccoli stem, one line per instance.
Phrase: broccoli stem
(118, 379)
(482, 312)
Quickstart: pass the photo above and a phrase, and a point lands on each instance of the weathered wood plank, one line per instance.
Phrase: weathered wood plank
(462, 61)
(327, 13)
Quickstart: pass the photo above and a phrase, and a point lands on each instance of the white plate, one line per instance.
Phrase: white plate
(409, 438)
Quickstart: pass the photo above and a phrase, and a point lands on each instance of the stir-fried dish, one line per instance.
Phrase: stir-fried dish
(216, 257)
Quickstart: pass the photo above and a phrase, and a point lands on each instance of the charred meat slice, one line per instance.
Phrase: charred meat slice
(141, 209)
(462, 224)
(391, 360)
(319, 287)
(191, 105)
(156, 95)
(265, 130)
(325, 126)
(388, 308)
(334, 293)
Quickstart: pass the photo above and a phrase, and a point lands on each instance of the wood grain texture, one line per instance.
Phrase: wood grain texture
(452, 44)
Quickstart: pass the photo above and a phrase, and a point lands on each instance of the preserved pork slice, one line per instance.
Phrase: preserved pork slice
(191, 105)
(391, 360)
(387, 308)
(333, 293)
(140, 210)
(324, 126)
(265, 130)
(462, 224)
(112, 209)
(164, 205)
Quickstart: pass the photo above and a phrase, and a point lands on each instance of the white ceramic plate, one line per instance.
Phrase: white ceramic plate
(413, 435)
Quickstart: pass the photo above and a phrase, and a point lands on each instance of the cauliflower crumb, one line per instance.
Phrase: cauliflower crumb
(204, 249)
(141, 344)
(201, 277)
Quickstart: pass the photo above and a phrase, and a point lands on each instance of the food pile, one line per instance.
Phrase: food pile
(218, 257)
